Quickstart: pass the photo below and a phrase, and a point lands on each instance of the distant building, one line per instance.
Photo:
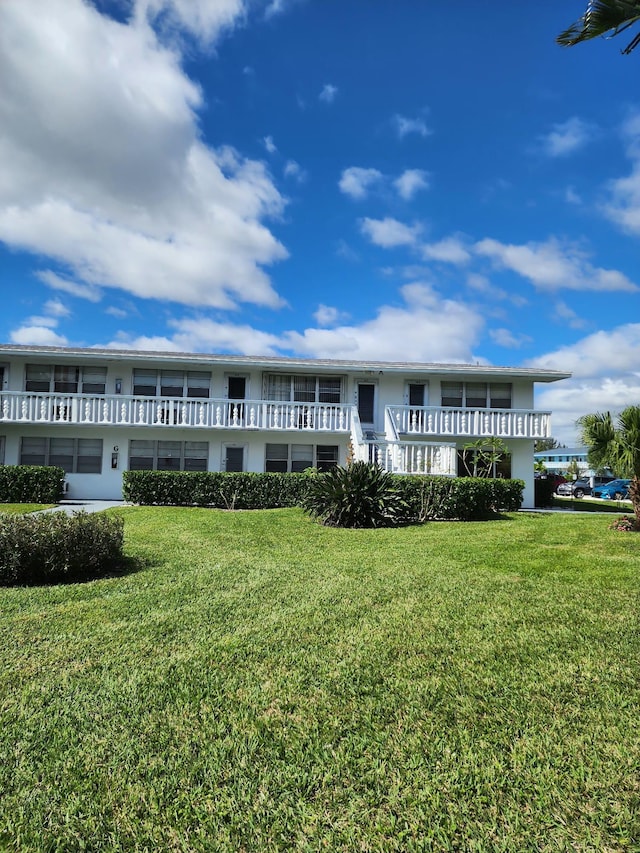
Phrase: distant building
(557, 461)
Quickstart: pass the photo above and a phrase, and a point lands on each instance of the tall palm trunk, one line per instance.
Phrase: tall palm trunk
(634, 494)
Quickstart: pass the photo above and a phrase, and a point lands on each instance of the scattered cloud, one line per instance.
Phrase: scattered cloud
(566, 138)
(553, 266)
(410, 182)
(623, 194)
(451, 250)
(132, 199)
(357, 182)
(295, 171)
(405, 126)
(328, 93)
(389, 233)
(507, 339)
(564, 314)
(120, 313)
(56, 308)
(572, 197)
(269, 144)
(329, 316)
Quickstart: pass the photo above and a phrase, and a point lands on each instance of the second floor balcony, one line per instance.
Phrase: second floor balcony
(199, 413)
(405, 422)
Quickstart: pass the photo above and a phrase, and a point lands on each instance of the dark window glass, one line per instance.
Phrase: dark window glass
(476, 395)
(451, 393)
(416, 395)
(326, 456)
(38, 378)
(329, 389)
(366, 396)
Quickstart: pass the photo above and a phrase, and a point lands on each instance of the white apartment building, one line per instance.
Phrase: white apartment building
(99, 412)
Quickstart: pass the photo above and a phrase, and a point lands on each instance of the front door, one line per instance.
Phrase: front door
(366, 403)
(237, 387)
(234, 459)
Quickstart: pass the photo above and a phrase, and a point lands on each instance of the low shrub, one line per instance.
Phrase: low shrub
(360, 495)
(31, 484)
(626, 523)
(220, 489)
(459, 498)
(53, 547)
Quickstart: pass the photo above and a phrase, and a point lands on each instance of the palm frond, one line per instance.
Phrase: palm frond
(602, 17)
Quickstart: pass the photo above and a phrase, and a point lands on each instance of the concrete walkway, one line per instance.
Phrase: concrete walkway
(81, 506)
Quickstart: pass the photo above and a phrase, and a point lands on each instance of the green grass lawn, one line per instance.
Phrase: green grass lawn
(22, 509)
(262, 683)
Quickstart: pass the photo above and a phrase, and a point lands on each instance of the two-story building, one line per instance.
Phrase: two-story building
(98, 412)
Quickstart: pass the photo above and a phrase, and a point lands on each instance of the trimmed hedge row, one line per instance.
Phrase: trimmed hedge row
(37, 549)
(426, 498)
(218, 489)
(458, 498)
(38, 484)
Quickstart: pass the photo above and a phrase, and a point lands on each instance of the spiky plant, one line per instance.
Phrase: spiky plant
(360, 495)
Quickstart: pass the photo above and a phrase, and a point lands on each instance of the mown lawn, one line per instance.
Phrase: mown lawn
(261, 683)
(22, 509)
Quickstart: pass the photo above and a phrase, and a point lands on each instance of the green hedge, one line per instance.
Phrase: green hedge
(463, 498)
(214, 488)
(51, 547)
(31, 484)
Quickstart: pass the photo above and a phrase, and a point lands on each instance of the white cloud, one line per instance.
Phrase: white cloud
(410, 182)
(328, 93)
(295, 171)
(451, 250)
(567, 315)
(606, 377)
(405, 126)
(55, 308)
(572, 197)
(103, 167)
(424, 327)
(389, 232)
(269, 144)
(37, 335)
(329, 316)
(566, 137)
(204, 19)
(356, 182)
(506, 338)
(82, 291)
(552, 266)
(120, 313)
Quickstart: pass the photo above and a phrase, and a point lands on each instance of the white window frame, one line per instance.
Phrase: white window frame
(79, 370)
(157, 383)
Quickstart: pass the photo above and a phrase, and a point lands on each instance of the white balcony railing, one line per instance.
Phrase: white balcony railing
(417, 421)
(121, 410)
(406, 457)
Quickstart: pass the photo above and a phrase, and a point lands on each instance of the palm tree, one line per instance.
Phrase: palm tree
(602, 17)
(615, 445)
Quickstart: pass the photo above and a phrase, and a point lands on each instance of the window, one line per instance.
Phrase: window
(149, 455)
(416, 393)
(303, 389)
(476, 395)
(282, 458)
(170, 383)
(65, 379)
(74, 455)
(2, 441)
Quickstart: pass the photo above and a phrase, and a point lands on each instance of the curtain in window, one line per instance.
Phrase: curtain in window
(278, 387)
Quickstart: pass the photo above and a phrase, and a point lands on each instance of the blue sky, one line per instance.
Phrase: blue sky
(324, 178)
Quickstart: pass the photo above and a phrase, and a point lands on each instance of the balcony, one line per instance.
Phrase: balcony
(121, 410)
(424, 421)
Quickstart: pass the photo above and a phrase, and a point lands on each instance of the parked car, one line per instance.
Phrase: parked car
(616, 490)
(556, 479)
(580, 488)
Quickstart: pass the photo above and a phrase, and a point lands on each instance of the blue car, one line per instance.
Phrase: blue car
(616, 490)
